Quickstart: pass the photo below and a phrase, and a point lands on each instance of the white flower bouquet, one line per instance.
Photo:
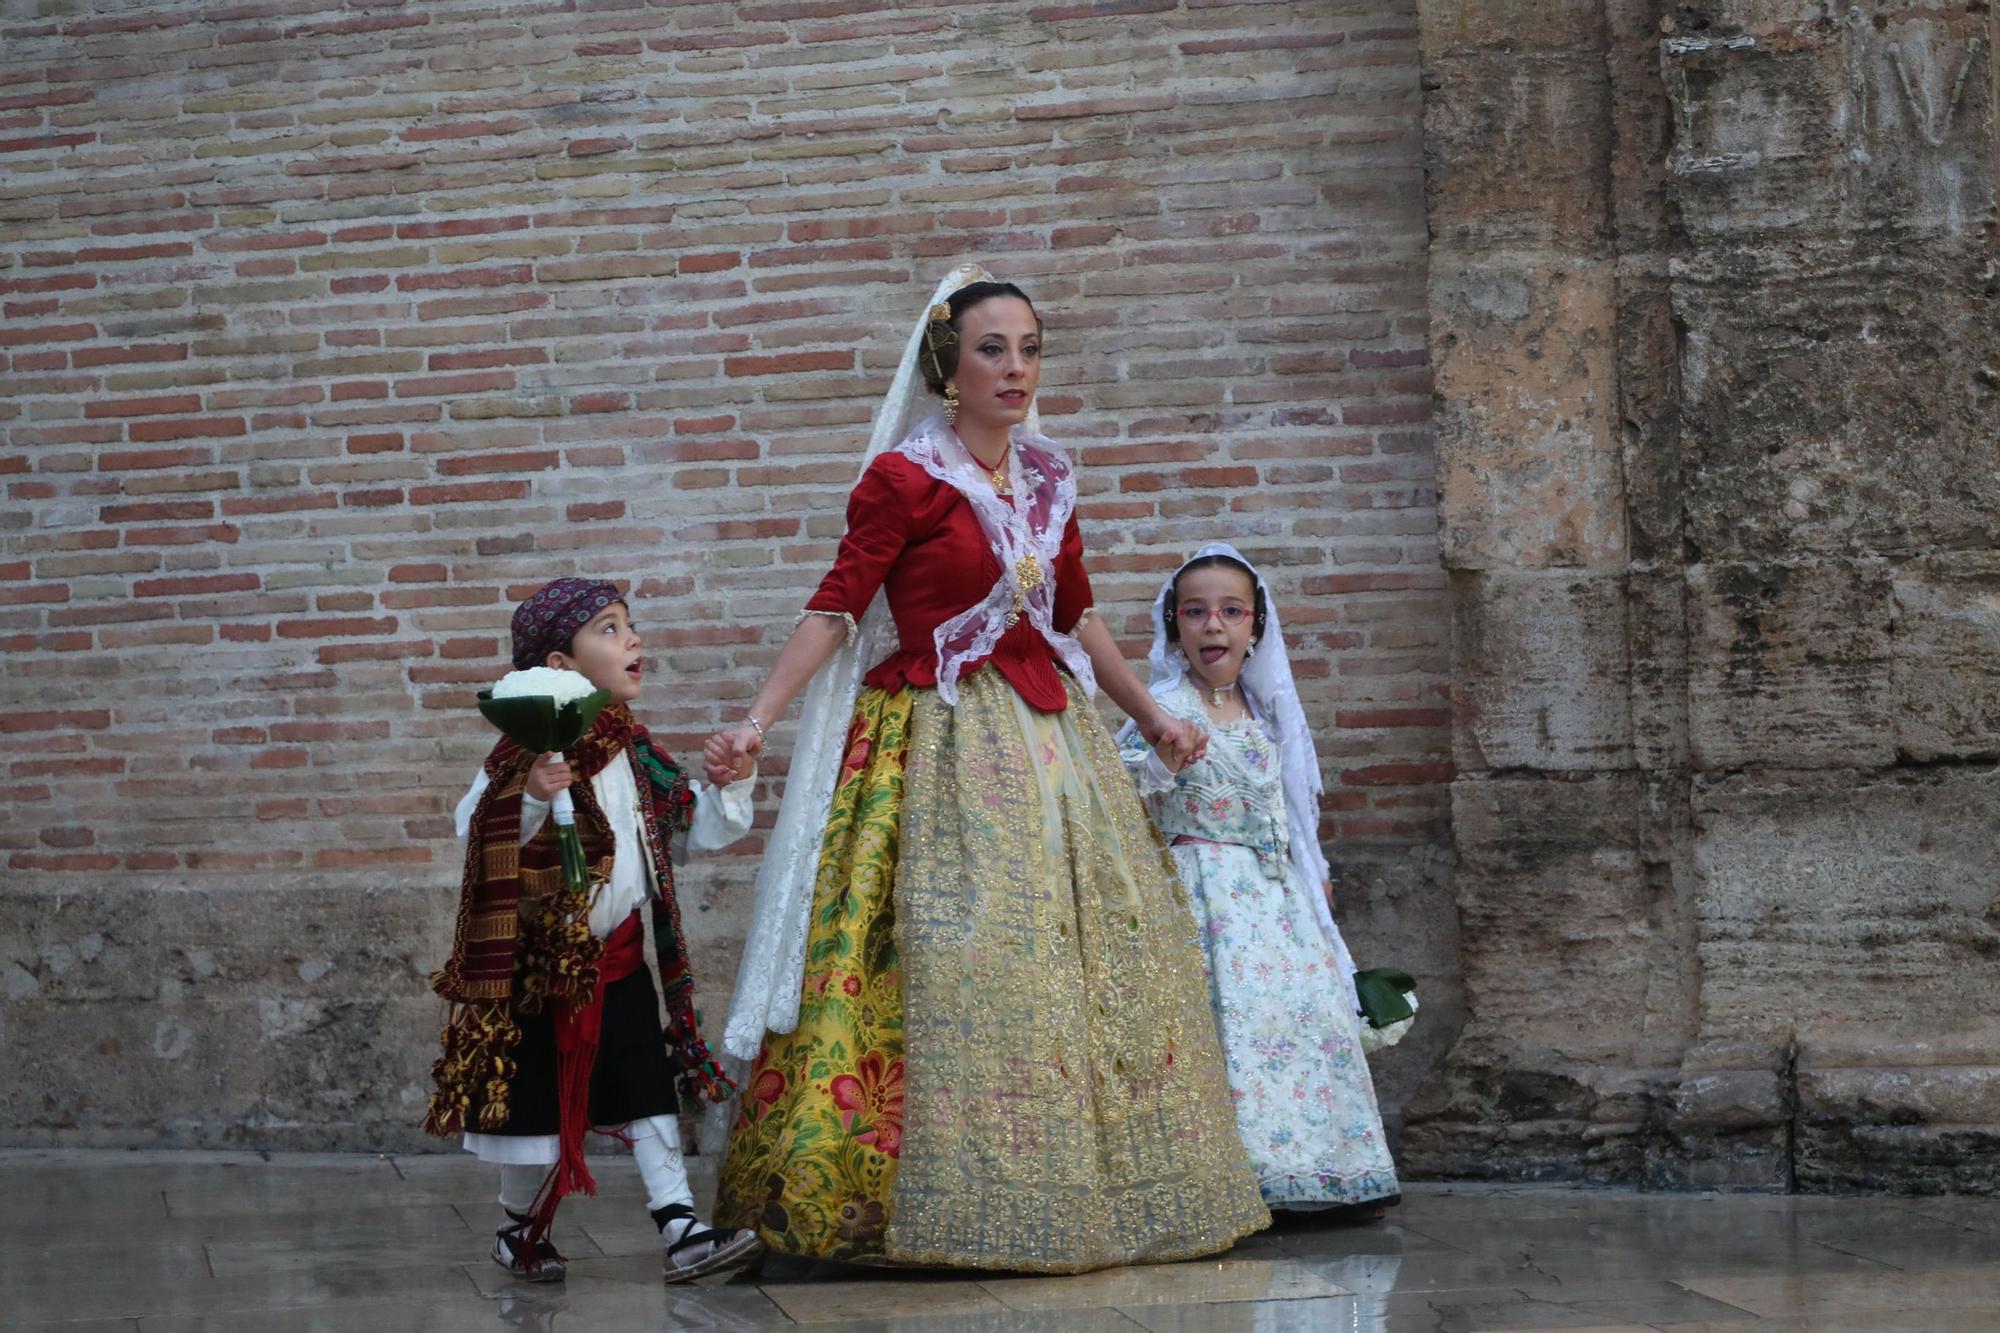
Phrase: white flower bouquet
(543, 710)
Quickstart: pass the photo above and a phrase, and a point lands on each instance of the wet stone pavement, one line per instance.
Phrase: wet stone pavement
(239, 1243)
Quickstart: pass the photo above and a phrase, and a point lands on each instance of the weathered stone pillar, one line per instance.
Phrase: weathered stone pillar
(1712, 313)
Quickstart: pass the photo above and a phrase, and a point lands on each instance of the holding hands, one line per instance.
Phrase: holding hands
(1177, 741)
(730, 755)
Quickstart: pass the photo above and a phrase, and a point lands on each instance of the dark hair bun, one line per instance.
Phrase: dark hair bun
(937, 356)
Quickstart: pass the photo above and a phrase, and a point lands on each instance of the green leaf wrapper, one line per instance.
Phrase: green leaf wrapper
(533, 722)
(1381, 991)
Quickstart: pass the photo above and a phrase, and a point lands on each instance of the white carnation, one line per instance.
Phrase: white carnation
(561, 686)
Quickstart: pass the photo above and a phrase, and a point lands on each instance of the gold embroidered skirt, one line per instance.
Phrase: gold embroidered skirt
(1005, 1056)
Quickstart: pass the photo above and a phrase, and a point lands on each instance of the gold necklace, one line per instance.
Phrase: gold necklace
(1215, 693)
(998, 475)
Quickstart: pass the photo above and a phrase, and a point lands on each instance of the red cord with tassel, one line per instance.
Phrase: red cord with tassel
(578, 1027)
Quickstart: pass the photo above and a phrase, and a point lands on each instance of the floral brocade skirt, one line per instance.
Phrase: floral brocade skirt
(1005, 1056)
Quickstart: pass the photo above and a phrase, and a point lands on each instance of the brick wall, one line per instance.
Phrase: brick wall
(330, 330)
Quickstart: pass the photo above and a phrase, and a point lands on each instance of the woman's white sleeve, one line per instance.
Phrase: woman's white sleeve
(722, 815)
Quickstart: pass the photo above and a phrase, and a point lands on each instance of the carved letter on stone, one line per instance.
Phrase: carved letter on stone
(1933, 122)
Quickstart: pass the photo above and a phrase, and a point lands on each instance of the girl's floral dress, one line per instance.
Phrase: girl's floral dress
(1305, 1103)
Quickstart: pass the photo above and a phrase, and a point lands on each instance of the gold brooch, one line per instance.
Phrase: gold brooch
(1028, 572)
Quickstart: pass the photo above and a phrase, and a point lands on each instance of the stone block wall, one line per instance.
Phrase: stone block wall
(326, 330)
(1718, 466)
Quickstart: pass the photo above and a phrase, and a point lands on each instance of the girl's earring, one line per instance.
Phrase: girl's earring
(951, 404)
(1249, 651)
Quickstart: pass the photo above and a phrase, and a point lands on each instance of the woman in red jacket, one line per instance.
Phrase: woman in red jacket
(972, 987)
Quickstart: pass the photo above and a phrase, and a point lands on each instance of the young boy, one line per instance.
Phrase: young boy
(555, 1024)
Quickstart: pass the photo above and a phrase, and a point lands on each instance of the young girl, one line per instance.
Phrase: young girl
(1243, 824)
(525, 1071)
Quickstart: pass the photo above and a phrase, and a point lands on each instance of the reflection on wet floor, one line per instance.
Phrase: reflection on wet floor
(231, 1243)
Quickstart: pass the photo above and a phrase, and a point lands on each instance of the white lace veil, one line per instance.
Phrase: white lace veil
(1267, 684)
(768, 981)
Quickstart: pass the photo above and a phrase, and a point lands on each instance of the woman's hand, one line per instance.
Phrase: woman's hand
(549, 775)
(1177, 741)
(730, 755)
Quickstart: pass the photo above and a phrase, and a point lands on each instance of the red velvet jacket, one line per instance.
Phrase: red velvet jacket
(918, 538)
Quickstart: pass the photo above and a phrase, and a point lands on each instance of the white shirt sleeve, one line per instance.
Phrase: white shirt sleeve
(470, 802)
(1154, 775)
(534, 814)
(722, 815)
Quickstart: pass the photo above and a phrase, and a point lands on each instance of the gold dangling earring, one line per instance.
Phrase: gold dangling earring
(951, 404)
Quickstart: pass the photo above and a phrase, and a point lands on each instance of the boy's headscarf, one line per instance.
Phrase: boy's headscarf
(552, 615)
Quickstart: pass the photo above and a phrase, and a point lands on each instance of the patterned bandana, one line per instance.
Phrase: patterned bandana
(549, 619)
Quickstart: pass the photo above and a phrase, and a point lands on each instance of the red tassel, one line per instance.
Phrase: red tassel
(578, 1027)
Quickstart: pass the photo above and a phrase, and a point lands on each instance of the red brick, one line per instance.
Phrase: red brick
(329, 627)
(711, 263)
(504, 276)
(139, 407)
(46, 333)
(369, 858)
(335, 653)
(469, 492)
(194, 584)
(1393, 717)
(84, 357)
(96, 766)
(150, 460)
(264, 240)
(31, 594)
(787, 364)
(1094, 106)
(441, 385)
(75, 642)
(473, 464)
(286, 503)
(1289, 41)
(157, 511)
(466, 129)
(424, 231)
(185, 428)
(85, 719)
(488, 357)
(78, 862)
(38, 143)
